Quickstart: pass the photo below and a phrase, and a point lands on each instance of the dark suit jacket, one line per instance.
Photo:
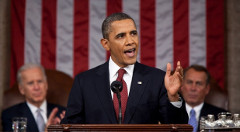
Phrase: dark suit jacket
(90, 100)
(22, 110)
(209, 109)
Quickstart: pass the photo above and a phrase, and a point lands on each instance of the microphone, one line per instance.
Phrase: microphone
(117, 87)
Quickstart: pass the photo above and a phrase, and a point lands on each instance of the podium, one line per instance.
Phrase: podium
(121, 127)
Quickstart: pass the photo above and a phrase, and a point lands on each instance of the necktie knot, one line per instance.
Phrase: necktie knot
(192, 112)
(38, 110)
(121, 72)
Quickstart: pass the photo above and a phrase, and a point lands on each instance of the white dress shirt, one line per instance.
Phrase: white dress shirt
(113, 71)
(43, 108)
(197, 110)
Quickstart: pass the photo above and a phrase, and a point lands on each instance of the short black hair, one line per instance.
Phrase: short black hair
(106, 25)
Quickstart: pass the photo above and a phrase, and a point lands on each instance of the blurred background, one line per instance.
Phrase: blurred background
(64, 35)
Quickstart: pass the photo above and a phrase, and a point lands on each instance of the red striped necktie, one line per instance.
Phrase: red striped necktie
(124, 95)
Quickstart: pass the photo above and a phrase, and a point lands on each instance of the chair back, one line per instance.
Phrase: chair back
(217, 96)
(59, 86)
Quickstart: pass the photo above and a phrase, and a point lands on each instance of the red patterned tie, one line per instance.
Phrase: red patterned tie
(124, 94)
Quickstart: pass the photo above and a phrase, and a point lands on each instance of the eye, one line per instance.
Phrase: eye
(199, 83)
(120, 35)
(133, 33)
(40, 81)
(30, 83)
(189, 82)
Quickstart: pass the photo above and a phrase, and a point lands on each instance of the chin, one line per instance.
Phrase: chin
(131, 61)
(39, 99)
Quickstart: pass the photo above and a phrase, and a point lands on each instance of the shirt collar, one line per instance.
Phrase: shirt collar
(196, 108)
(43, 107)
(114, 68)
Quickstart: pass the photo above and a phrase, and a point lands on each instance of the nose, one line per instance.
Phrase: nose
(193, 87)
(129, 40)
(36, 85)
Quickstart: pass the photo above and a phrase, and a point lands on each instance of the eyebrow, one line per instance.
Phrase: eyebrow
(124, 33)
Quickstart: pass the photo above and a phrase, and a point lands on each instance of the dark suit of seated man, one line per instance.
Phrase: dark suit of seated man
(194, 90)
(33, 85)
(152, 94)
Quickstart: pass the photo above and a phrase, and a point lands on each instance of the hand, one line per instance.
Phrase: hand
(173, 82)
(53, 119)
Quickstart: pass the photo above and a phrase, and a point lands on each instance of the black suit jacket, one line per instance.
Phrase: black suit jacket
(209, 109)
(90, 100)
(22, 110)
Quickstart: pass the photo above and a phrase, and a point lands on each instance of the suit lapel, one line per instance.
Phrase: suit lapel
(102, 86)
(138, 85)
(49, 109)
(31, 123)
(203, 111)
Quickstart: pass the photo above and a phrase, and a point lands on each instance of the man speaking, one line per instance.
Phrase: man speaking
(148, 96)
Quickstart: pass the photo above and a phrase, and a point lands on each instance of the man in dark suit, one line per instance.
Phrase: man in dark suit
(194, 90)
(152, 95)
(33, 85)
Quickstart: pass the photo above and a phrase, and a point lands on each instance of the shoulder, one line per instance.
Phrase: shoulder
(211, 109)
(96, 70)
(148, 70)
(15, 108)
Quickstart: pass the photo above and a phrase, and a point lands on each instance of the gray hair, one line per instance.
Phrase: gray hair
(199, 68)
(106, 25)
(29, 66)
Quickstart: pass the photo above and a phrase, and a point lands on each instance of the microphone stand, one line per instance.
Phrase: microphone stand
(117, 87)
(120, 108)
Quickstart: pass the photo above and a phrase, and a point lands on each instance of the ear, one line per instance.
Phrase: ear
(21, 89)
(208, 89)
(181, 89)
(46, 84)
(105, 44)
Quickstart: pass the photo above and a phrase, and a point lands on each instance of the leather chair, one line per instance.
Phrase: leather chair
(217, 96)
(59, 86)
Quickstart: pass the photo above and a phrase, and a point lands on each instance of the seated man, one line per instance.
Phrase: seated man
(32, 83)
(194, 90)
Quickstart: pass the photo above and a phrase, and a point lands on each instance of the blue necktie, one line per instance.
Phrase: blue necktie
(193, 121)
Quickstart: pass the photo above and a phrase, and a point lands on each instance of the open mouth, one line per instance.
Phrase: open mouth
(130, 52)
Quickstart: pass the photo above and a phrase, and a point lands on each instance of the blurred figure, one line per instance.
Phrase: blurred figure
(194, 90)
(32, 83)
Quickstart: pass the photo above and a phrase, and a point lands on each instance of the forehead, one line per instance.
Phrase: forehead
(123, 25)
(195, 75)
(32, 73)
